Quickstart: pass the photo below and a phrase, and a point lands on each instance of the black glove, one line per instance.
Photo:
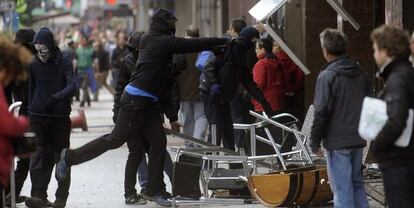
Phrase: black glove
(215, 93)
(51, 103)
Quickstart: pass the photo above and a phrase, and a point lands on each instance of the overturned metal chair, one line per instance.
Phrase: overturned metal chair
(209, 156)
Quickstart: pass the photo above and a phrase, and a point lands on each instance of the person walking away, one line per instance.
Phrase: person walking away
(71, 53)
(13, 64)
(51, 87)
(118, 55)
(194, 119)
(391, 51)
(85, 71)
(340, 89)
(101, 68)
(140, 111)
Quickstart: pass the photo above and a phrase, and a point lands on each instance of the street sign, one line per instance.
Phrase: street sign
(6, 6)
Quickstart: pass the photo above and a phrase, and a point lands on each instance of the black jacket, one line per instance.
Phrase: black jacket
(169, 104)
(340, 90)
(127, 67)
(399, 95)
(156, 51)
(54, 79)
(118, 56)
(229, 80)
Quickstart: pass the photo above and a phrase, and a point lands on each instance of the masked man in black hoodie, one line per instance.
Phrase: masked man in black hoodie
(140, 111)
(51, 87)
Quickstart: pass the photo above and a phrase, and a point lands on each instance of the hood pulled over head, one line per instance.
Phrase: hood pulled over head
(163, 21)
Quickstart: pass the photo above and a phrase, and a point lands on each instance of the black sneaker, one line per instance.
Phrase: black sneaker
(19, 200)
(34, 202)
(59, 203)
(63, 168)
(135, 200)
(159, 199)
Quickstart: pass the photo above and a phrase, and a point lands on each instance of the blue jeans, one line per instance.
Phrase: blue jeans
(399, 186)
(345, 177)
(195, 122)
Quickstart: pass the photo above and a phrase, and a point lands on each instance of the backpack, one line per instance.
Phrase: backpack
(202, 59)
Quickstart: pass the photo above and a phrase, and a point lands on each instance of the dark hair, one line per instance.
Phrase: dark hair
(13, 58)
(192, 31)
(334, 41)
(265, 43)
(393, 39)
(238, 24)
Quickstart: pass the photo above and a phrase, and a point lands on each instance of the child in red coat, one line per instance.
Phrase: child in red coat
(13, 61)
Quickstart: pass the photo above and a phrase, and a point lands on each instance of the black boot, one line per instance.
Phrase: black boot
(35, 202)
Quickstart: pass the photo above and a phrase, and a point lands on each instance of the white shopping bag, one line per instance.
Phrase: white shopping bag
(373, 118)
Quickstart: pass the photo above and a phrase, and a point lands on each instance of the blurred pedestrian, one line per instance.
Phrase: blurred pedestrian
(51, 87)
(340, 89)
(391, 51)
(101, 67)
(19, 92)
(118, 56)
(143, 102)
(13, 63)
(194, 119)
(71, 53)
(86, 78)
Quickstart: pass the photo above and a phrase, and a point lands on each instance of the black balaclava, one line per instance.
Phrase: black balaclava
(163, 21)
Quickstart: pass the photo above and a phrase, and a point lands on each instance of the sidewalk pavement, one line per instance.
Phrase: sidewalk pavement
(99, 182)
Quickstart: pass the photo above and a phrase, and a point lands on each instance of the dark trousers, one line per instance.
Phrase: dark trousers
(137, 116)
(240, 114)
(399, 186)
(219, 113)
(136, 165)
(20, 175)
(52, 135)
(21, 172)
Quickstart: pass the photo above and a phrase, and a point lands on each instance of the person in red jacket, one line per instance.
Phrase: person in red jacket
(13, 62)
(294, 83)
(268, 75)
